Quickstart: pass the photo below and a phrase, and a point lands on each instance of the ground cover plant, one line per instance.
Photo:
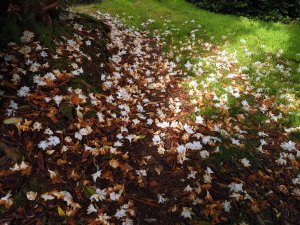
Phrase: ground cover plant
(151, 112)
(284, 11)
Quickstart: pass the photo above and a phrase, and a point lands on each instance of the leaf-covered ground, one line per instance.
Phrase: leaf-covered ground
(131, 135)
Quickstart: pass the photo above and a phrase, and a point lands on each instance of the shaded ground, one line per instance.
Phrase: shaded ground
(130, 146)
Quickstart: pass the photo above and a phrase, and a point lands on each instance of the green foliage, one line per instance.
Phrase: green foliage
(75, 2)
(10, 30)
(276, 10)
(274, 36)
(17, 16)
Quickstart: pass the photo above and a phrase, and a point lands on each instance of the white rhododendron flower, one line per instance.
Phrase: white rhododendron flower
(181, 149)
(27, 36)
(281, 161)
(186, 212)
(78, 136)
(161, 199)
(192, 175)
(37, 126)
(195, 145)
(48, 131)
(23, 91)
(96, 175)
(204, 154)
(114, 196)
(188, 65)
(188, 129)
(31, 195)
(52, 174)
(288, 146)
(21, 166)
(43, 54)
(91, 209)
(58, 99)
(53, 140)
(88, 42)
(43, 145)
(47, 196)
(199, 120)
(226, 206)
(120, 213)
(103, 218)
(34, 67)
(13, 107)
(235, 187)
(7, 200)
(156, 139)
(100, 195)
(245, 162)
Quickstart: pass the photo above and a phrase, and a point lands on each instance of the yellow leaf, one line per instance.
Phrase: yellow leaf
(142, 136)
(61, 212)
(12, 120)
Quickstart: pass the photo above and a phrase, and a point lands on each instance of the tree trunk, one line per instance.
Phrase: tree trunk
(18, 15)
(45, 10)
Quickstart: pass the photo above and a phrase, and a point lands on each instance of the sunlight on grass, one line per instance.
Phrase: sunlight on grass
(152, 111)
(253, 41)
(275, 36)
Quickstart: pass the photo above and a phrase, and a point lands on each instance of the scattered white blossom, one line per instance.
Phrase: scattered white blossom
(27, 36)
(58, 99)
(186, 212)
(100, 195)
(114, 196)
(31, 195)
(245, 162)
(226, 206)
(97, 175)
(37, 126)
(288, 146)
(91, 209)
(23, 91)
(235, 187)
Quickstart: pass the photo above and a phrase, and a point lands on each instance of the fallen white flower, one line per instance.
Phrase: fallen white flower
(96, 175)
(245, 162)
(199, 120)
(226, 206)
(114, 196)
(288, 146)
(235, 187)
(58, 99)
(47, 197)
(186, 212)
(91, 209)
(27, 36)
(31, 195)
(23, 91)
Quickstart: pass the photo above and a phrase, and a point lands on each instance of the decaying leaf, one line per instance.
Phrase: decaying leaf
(13, 120)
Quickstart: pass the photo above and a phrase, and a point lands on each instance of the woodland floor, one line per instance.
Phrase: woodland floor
(109, 129)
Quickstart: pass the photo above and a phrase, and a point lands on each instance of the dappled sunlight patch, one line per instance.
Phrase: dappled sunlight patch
(184, 134)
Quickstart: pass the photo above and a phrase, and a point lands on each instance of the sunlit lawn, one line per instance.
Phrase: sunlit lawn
(241, 74)
(217, 111)
(274, 36)
(275, 44)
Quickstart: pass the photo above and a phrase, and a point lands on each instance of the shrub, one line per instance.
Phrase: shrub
(71, 2)
(276, 10)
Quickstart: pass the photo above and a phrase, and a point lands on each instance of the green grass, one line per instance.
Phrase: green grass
(225, 31)
(274, 36)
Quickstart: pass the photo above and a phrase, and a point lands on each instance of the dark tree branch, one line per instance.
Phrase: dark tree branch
(46, 8)
(26, 6)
